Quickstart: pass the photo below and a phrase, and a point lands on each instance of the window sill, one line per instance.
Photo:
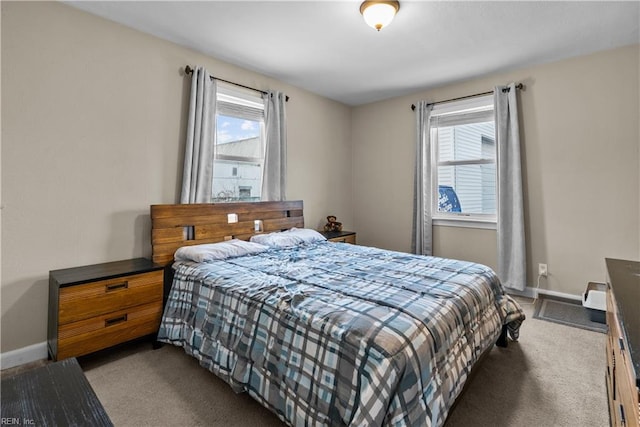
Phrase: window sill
(464, 223)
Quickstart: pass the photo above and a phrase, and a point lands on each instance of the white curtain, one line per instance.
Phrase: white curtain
(200, 146)
(275, 158)
(422, 235)
(512, 269)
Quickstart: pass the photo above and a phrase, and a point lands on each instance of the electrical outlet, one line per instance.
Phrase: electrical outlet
(542, 270)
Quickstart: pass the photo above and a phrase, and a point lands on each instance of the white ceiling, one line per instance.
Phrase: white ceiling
(326, 48)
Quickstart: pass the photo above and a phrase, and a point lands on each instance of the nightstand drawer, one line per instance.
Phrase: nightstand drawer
(345, 239)
(96, 333)
(106, 296)
(340, 236)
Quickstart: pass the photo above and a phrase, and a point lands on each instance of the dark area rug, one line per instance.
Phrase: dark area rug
(566, 313)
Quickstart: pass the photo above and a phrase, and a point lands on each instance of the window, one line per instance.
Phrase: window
(240, 145)
(464, 160)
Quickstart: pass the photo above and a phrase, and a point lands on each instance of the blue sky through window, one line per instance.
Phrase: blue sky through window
(231, 129)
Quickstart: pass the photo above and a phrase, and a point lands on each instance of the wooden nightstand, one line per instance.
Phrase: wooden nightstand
(340, 236)
(98, 306)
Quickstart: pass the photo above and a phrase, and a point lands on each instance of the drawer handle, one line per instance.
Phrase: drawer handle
(115, 320)
(115, 286)
(613, 374)
(623, 420)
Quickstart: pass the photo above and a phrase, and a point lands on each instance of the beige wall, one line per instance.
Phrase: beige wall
(580, 146)
(93, 124)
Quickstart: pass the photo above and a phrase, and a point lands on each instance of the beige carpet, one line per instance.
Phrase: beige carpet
(553, 377)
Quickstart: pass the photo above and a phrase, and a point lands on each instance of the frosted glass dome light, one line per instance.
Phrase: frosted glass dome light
(379, 14)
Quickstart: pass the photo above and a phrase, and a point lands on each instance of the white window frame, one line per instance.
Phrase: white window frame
(480, 105)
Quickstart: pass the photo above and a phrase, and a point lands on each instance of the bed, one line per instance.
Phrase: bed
(324, 333)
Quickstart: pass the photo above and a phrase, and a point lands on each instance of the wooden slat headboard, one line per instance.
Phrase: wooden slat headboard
(173, 226)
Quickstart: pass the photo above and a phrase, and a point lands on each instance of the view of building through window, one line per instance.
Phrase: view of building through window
(239, 157)
(467, 164)
(463, 145)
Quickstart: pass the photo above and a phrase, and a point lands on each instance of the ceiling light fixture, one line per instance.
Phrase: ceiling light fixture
(379, 14)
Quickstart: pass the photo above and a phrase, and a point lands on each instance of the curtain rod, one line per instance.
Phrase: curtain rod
(506, 89)
(189, 70)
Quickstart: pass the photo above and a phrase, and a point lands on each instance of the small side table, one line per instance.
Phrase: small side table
(98, 306)
(340, 236)
(56, 394)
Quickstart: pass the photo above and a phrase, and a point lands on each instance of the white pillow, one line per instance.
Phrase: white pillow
(216, 251)
(306, 234)
(288, 238)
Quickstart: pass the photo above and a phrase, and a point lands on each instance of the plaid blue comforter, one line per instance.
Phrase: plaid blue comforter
(339, 334)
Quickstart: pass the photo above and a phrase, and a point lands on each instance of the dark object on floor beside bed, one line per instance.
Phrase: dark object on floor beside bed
(566, 312)
(502, 339)
(57, 394)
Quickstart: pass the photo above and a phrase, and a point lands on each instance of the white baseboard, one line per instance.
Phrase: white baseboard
(530, 292)
(23, 355)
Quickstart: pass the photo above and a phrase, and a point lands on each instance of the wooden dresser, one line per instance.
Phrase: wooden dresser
(623, 342)
(98, 306)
